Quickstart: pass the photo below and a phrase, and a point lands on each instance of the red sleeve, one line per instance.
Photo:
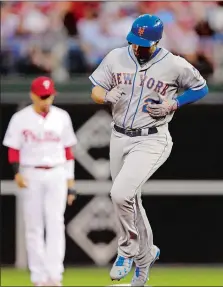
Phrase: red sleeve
(13, 155)
(69, 153)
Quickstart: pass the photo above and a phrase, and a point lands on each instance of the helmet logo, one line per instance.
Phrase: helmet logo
(141, 31)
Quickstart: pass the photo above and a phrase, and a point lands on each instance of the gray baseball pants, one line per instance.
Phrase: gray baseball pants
(133, 160)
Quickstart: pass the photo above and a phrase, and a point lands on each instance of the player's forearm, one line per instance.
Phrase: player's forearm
(191, 96)
(69, 165)
(13, 159)
(98, 95)
(70, 177)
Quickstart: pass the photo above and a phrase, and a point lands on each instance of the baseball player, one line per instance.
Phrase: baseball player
(141, 81)
(40, 138)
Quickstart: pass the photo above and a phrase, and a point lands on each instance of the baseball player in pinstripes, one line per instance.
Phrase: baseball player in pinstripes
(40, 138)
(141, 82)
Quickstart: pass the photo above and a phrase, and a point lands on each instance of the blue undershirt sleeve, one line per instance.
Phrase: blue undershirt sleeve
(190, 96)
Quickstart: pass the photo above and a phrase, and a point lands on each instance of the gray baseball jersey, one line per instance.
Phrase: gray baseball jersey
(158, 79)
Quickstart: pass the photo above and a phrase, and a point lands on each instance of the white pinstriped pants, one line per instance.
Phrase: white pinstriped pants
(44, 203)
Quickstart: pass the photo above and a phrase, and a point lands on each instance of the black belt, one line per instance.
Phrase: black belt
(44, 167)
(135, 132)
(39, 166)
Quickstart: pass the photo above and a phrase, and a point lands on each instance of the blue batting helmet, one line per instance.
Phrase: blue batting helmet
(146, 30)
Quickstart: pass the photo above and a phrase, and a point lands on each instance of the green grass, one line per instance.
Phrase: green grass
(159, 276)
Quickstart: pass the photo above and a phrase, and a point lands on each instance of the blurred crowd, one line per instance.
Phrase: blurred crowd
(64, 38)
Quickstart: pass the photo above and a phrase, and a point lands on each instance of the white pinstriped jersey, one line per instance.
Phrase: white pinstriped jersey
(158, 79)
(41, 141)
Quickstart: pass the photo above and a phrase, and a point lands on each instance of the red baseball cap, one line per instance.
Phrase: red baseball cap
(43, 86)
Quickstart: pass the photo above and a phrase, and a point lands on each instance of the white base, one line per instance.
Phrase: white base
(126, 285)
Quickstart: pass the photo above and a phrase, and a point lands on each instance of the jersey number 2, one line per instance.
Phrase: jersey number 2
(146, 101)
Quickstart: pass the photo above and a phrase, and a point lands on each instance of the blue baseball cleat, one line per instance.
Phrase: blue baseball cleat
(121, 268)
(141, 274)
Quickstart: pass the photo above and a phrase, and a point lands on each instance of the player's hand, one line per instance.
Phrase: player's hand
(114, 95)
(70, 183)
(163, 109)
(20, 181)
(72, 194)
(70, 199)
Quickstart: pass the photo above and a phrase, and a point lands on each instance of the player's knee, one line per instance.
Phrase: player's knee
(34, 233)
(55, 219)
(118, 196)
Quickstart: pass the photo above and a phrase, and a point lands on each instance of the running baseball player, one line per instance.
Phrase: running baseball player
(141, 81)
(40, 138)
